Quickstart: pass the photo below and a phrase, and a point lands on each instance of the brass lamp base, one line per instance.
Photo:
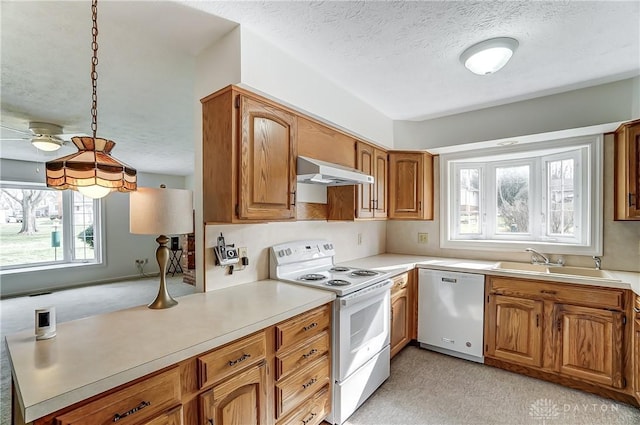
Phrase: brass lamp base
(163, 299)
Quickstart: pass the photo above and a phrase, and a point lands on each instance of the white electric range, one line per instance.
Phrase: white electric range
(360, 337)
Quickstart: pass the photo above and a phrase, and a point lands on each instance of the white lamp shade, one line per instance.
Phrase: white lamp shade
(161, 211)
(489, 56)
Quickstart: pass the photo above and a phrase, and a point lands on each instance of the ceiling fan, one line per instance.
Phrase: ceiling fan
(43, 135)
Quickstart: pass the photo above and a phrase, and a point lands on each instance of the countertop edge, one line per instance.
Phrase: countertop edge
(46, 407)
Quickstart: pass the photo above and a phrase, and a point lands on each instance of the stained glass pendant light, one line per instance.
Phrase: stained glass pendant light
(92, 170)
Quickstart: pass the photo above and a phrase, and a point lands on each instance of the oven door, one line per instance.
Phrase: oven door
(361, 327)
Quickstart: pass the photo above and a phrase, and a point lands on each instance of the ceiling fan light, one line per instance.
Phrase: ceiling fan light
(46, 143)
(489, 56)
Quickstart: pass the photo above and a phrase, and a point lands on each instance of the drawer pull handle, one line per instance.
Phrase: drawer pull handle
(311, 326)
(310, 353)
(239, 359)
(210, 421)
(310, 383)
(140, 406)
(309, 419)
(544, 291)
(636, 309)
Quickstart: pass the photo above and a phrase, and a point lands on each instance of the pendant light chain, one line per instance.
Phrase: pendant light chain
(94, 64)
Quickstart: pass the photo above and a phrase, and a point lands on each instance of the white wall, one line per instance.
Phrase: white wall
(621, 249)
(613, 102)
(121, 247)
(258, 238)
(216, 67)
(267, 68)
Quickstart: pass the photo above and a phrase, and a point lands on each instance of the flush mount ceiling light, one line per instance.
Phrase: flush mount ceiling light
(45, 142)
(489, 56)
(92, 170)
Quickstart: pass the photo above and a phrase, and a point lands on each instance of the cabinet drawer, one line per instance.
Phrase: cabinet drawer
(221, 363)
(289, 361)
(312, 411)
(134, 404)
(591, 296)
(297, 387)
(302, 327)
(400, 282)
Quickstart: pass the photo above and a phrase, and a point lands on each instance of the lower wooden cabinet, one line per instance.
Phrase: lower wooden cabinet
(303, 368)
(151, 400)
(239, 400)
(401, 313)
(514, 330)
(279, 374)
(573, 334)
(636, 357)
(590, 345)
(312, 411)
(172, 417)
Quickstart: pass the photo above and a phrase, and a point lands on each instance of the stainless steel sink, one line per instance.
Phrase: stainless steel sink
(522, 267)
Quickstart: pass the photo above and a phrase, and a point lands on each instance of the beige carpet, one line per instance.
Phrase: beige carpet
(428, 388)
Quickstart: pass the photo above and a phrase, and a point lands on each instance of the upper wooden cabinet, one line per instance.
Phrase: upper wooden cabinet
(627, 172)
(411, 185)
(249, 159)
(319, 141)
(371, 199)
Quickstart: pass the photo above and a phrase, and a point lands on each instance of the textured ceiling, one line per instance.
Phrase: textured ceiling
(400, 57)
(403, 57)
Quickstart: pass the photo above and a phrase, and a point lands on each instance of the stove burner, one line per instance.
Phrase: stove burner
(339, 269)
(312, 276)
(364, 273)
(338, 282)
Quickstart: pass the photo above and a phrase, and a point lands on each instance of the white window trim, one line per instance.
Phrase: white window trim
(68, 233)
(592, 205)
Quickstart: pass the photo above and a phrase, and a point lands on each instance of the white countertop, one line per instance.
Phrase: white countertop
(91, 355)
(627, 280)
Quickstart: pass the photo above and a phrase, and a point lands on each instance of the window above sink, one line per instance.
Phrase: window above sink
(546, 194)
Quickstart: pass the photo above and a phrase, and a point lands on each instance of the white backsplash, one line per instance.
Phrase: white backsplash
(258, 238)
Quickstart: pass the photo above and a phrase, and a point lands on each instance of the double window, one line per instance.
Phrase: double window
(41, 227)
(544, 194)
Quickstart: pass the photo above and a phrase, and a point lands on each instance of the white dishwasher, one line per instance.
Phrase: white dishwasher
(451, 313)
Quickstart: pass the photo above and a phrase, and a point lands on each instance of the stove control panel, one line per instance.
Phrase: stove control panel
(297, 251)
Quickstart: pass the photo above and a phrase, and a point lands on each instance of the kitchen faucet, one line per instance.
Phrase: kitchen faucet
(539, 258)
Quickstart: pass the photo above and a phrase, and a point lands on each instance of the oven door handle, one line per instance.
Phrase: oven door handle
(372, 291)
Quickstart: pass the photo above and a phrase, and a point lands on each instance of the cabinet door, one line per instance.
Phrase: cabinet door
(267, 169)
(514, 330)
(365, 162)
(240, 400)
(637, 357)
(627, 172)
(380, 185)
(410, 185)
(589, 344)
(399, 320)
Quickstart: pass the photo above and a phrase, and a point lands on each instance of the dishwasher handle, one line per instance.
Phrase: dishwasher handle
(449, 280)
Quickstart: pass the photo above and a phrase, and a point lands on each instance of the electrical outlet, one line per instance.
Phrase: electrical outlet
(423, 238)
(359, 238)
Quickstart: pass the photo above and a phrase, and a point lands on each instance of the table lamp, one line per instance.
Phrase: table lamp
(161, 211)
